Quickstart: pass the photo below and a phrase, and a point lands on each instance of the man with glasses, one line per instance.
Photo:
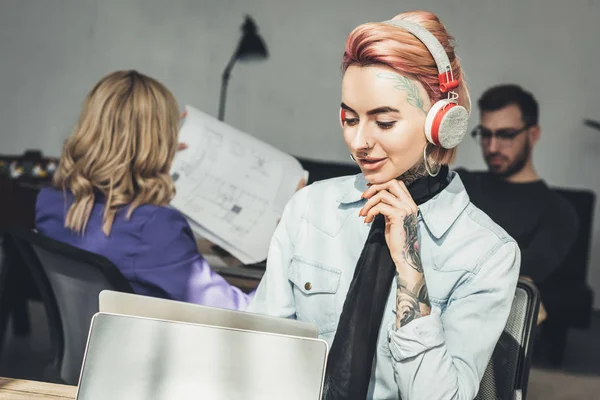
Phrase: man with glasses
(511, 192)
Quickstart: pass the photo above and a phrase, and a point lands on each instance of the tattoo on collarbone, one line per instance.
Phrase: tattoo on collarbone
(406, 85)
(411, 253)
(411, 303)
(413, 174)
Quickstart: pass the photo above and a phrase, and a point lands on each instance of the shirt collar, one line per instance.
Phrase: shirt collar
(438, 214)
(353, 192)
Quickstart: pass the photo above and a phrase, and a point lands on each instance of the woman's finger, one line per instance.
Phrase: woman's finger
(181, 146)
(396, 188)
(407, 197)
(391, 186)
(403, 187)
(383, 196)
(301, 184)
(380, 208)
(393, 214)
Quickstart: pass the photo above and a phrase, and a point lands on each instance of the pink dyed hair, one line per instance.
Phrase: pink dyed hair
(382, 44)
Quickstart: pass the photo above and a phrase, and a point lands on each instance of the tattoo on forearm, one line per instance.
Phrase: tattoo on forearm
(412, 299)
(413, 174)
(406, 85)
(410, 253)
(411, 303)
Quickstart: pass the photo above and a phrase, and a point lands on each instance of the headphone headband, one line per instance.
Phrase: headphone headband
(445, 74)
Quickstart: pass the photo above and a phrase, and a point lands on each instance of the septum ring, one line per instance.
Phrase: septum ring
(365, 154)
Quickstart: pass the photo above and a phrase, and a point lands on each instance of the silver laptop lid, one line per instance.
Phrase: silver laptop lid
(151, 307)
(148, 359)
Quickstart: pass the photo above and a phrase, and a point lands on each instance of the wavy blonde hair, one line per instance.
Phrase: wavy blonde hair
(122, 147)
(379, 43)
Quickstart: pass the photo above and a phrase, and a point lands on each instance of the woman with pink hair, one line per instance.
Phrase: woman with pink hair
(408, 282)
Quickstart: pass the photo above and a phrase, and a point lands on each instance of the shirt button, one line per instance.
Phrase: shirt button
(308, 286)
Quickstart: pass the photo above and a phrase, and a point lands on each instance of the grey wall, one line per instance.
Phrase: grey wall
(52, 52)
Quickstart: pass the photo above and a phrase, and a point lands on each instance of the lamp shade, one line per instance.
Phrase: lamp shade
(592, 124)
(251, 45)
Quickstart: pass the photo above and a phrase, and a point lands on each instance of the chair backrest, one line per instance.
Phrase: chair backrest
(70, 281)
(507, 373)
(575, 266)
(5, 295)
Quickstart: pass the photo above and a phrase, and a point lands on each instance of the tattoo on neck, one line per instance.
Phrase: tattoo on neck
(410, 253)
(416, 172)
(405, 85)
(411, 302)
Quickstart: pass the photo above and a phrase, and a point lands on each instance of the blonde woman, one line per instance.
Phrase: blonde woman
(112, 188)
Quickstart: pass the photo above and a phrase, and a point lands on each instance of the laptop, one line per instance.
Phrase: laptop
(135, 358)
(152, 307)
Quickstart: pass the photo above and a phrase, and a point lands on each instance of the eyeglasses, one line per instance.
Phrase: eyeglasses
(504, 137)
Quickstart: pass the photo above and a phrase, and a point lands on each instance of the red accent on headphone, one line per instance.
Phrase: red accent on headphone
(445, 85)
(437, 121)
(342, 116)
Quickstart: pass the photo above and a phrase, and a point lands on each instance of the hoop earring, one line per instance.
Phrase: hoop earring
(427, 166)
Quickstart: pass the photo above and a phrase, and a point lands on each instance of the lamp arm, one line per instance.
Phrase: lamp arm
(224, 85)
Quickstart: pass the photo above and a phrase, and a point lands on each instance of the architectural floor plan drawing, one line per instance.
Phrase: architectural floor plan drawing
(202, 152)
(238, 208)
(231, 186)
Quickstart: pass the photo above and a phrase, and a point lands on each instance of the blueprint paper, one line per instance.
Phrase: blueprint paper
(231, 186)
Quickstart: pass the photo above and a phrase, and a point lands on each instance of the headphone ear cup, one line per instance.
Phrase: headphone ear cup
(446, 124)
(342, 117)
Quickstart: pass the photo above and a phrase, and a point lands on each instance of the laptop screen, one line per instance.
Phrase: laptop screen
(139, 358)
(151, 307)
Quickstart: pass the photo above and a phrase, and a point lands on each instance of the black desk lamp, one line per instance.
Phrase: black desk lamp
(250, 47)
(592, 124)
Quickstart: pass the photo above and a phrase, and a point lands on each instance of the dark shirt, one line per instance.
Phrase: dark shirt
(542, 222)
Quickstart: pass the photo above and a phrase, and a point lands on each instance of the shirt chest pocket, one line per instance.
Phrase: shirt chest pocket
(315, 293)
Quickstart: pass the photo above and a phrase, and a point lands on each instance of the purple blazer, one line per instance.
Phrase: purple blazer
(155, 250)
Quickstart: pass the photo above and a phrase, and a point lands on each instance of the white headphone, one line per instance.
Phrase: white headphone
(446, 122)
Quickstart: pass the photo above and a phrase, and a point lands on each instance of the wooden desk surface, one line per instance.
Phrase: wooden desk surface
(205, 247)
(19, 389)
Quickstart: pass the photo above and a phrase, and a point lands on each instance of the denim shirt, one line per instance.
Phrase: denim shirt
(471, 267)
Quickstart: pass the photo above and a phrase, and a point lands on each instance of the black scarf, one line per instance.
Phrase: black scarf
(351, 356)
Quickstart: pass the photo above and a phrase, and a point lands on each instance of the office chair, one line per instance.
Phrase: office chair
(69, 280)
(507, 373)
